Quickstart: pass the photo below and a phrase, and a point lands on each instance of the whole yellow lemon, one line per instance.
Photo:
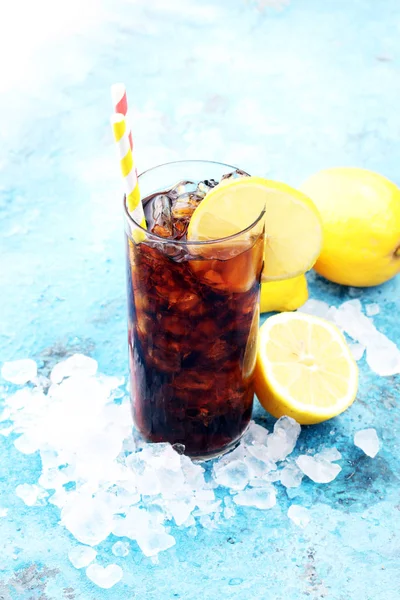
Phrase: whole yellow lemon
(360, 211)
(288, 294)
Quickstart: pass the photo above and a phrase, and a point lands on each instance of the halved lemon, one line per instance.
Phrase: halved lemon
(304, 368)
(292, 223)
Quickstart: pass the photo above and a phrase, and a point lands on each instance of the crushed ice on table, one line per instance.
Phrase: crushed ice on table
(104, 577)
(299, 515)
(282, 441)
(368, 441)
(291, 476)
(19, 371)
(357, 350)
(321, 467)
(78, 364)
(234, 475)
(30, 494)
(258, 497)
(82, 556)
(383, 356)
(318, 308)
(106, 480)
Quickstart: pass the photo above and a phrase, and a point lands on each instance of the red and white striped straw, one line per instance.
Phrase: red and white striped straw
(120, 103)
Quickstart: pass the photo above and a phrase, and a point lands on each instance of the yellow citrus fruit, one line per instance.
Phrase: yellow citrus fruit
(360, 211)
(304, 368)
(284, 295)
(292, 223)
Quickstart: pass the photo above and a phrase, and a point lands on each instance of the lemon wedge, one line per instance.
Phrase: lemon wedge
(304, 368)
(292, 223)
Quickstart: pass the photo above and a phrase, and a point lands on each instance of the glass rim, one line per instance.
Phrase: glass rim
(157, 238)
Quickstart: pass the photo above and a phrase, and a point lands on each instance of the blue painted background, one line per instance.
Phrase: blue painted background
(279, 93)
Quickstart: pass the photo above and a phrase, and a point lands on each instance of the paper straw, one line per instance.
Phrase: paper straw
(128, 170)
(120, 103)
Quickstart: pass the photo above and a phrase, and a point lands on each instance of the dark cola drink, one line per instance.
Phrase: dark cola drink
(193, 323)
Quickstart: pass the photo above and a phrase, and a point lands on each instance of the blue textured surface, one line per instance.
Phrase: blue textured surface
(282, 93)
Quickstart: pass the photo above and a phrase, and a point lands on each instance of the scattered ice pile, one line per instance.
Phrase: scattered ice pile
(106, 480)
(383, 356)
(368, 441)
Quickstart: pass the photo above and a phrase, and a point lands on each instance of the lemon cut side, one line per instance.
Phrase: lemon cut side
(304, 368)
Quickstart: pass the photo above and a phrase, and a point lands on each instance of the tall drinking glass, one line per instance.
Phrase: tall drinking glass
(193, 317)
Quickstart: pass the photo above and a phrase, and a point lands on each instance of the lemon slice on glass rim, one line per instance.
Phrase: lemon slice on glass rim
(292, 223)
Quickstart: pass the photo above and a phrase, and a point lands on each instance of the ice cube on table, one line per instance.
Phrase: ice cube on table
(350, 318)
(318, 469)
(192, 472)
(82, 556)
(299, 515)
(104, 577)
(229, 507)
(161, 455)
(291, 476)
(120, 549)
(19, 372)
(90, 520)
(77, 364)
(25, 444)
(368, 441)
(357, 350)
(283, 439)
(30, 493)
(262, 498)
(181, 509)
(383, 356)
(258, 467)
(229, 512)
(372, 309)
(255, 434)
(329, 454)
(317, 308)
(5, 431)
(207, 522)
(151, 542)
(234, 475)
